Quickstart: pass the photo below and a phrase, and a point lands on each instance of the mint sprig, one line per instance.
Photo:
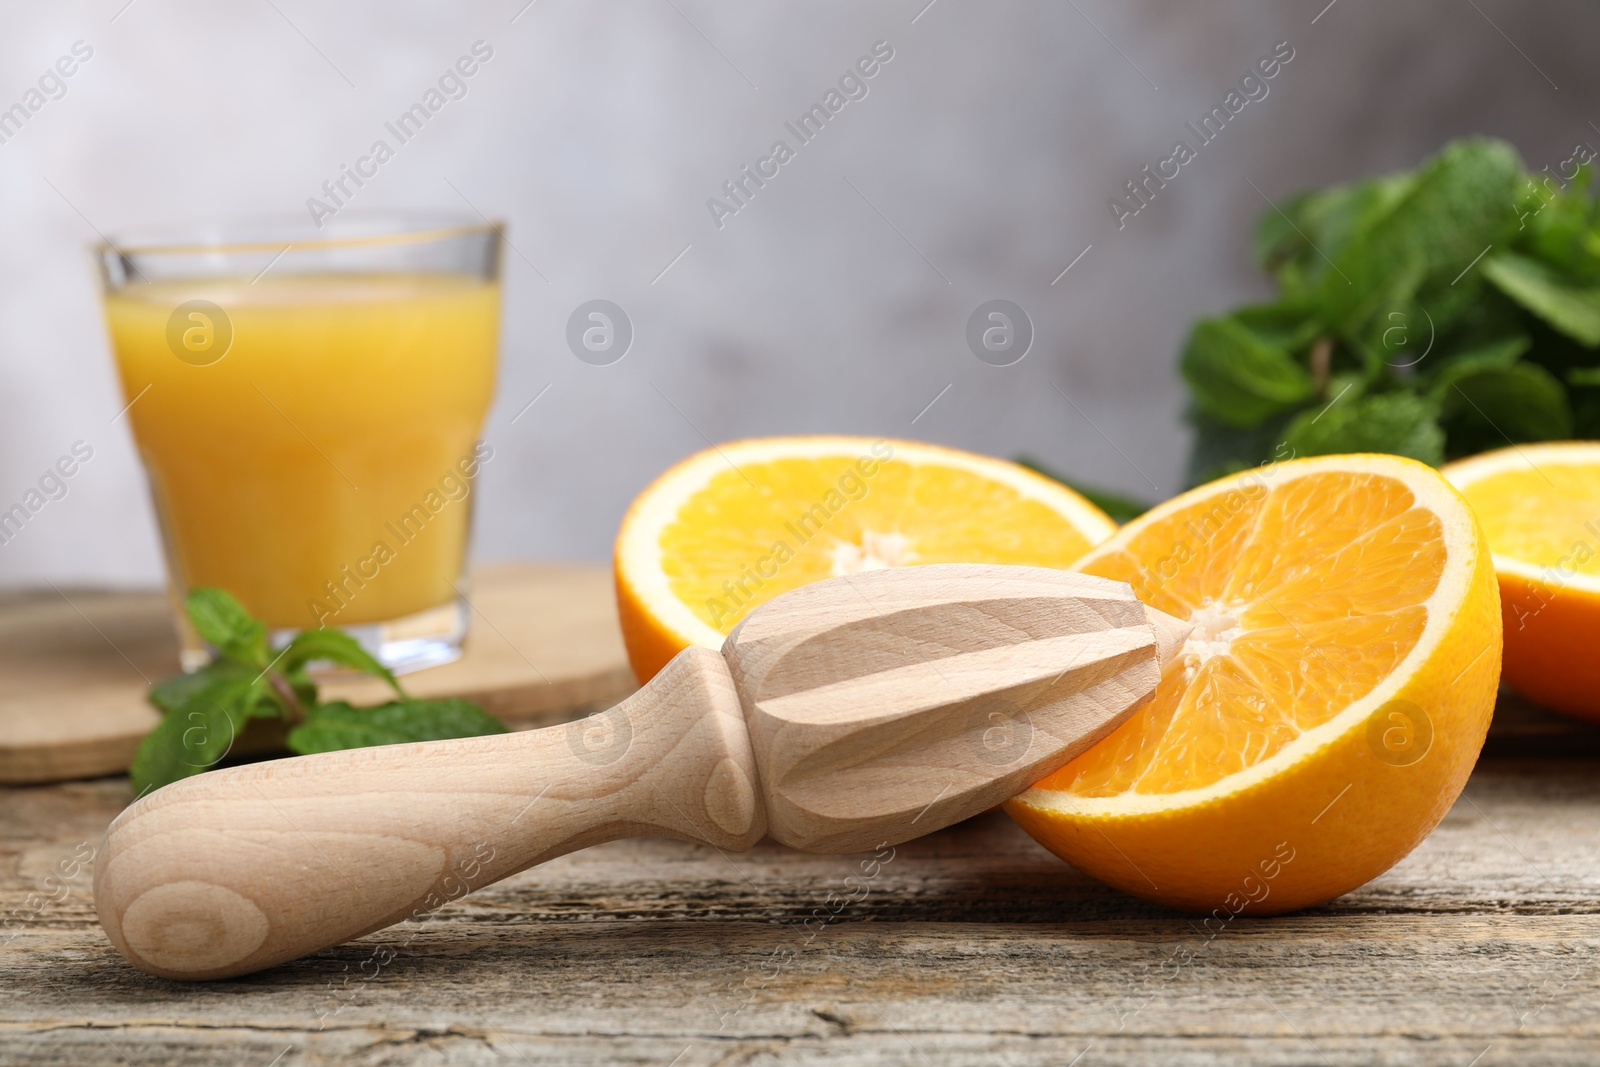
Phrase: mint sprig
(204, 712)
(1492, 271)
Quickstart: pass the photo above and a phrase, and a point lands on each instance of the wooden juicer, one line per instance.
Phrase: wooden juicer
(859, 711)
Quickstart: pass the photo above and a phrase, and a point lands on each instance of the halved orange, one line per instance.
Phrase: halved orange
(1327, 708)
(1540, 508)
(733, 526)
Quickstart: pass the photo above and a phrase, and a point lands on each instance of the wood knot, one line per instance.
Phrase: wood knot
(730, 798)
(186, 928)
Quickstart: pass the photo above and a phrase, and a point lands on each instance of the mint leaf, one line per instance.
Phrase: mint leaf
(1395, 337)
(179, 690)
(1458, 204)
(1239, 378)
(1491, 355)
(1484, 407)
(206, 710)
(1401, 423)
(337, 725)
(1296, 240)
(1461, 202)
(1280, 235)
(223, 623)
(1288, 324)
(1585, 400)
(200, 727)
(1572, 308)
(333, 646)
(1384, 283)
(1558, 225)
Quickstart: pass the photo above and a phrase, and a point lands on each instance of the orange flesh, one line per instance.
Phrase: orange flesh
(1305, 596)
(1541, 515)
(840, 514)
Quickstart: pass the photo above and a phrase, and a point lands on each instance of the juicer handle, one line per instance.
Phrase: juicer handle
(239, 869)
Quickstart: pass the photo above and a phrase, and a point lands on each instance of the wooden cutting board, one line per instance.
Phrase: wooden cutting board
(543, 646)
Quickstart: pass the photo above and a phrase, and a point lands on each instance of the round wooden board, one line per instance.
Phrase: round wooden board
(75, 664)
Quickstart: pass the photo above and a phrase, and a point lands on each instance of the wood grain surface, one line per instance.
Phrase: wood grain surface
(972, 945)
(887, 704)
(871, 703)
(75, 665)
(225, 873)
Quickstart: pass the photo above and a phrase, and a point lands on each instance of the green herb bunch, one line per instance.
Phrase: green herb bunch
(1433, 314)
(206, 711)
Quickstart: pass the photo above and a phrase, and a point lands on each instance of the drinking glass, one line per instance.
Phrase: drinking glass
(307, 403)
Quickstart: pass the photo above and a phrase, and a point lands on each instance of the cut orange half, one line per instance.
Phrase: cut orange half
(1326, 710)
(1540, 509)
(733, 526)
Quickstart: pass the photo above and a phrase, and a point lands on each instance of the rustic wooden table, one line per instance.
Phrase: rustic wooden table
(970, 946)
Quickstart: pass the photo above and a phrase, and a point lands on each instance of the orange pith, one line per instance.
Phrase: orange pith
(1323, 592)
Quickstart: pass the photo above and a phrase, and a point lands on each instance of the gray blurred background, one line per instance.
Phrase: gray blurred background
(979, 165)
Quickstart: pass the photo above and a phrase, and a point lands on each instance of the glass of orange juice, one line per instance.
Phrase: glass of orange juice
(307, 403)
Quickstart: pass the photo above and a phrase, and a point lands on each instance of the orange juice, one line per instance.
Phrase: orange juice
(319, 470)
